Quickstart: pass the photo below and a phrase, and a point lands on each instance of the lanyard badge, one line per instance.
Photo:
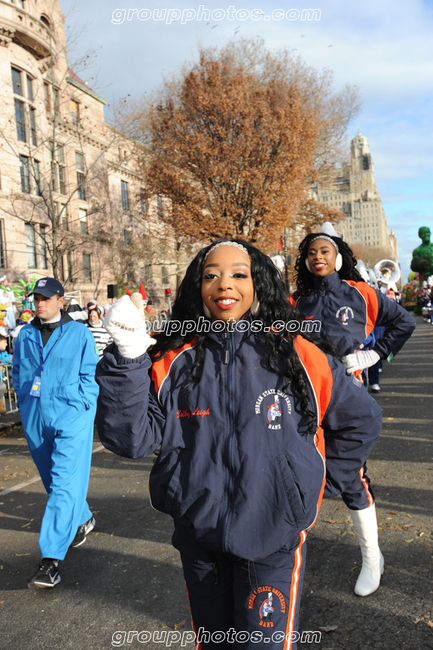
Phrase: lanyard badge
(36, 387)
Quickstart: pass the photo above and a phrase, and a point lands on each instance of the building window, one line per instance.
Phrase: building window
(20, 117)
(127, 237)
(159, 206)
(63, 217)
(164, 275)
(43, 246)
(2, 245)
(124, 191)
(21, 107)
(45, 20)
(16, 82)
(66, 267)
(32, 114)
(25, 176)
(37, 173)
(30, 89)
(30, 245)
(75, 111)
(56, 100)
(58, 169)
(69, 263)
(83, 220)
(61, 172)
(79, 163)
(143, 202)
(81, 187)
(47, 97)
(87, 274)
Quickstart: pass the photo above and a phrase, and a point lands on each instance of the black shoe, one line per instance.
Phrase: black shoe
(47, 575)
(82, 531)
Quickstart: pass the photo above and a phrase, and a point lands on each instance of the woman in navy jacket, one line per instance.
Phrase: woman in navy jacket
(331, 291)
(243, 413)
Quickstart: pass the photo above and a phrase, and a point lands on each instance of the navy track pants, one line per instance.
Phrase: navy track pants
(359, 495)
(236, 603)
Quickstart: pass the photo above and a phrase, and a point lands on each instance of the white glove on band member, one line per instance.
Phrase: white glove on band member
(360, 360)
(128, 328)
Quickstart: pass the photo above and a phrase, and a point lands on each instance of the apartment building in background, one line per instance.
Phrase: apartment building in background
(70, 190)
(353, 191)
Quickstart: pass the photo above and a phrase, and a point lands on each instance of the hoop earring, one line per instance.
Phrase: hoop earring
(338, 262)
(255, 307)
(307, 265)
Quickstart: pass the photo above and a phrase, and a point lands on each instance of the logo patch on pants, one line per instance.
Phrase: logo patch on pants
(267, 600)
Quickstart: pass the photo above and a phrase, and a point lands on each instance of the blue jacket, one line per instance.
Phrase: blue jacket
(5, 358)
(68, 385)
(348, 311)
(236, 467)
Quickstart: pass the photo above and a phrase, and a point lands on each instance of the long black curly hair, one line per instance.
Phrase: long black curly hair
(305, 279)
(274, 306)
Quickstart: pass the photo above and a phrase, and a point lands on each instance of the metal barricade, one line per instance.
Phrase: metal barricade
(10, 397)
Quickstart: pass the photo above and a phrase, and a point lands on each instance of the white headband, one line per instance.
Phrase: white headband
(227, 243)
(3, 277)
(320, 236)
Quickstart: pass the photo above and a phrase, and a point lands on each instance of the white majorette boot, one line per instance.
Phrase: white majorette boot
(365, 525)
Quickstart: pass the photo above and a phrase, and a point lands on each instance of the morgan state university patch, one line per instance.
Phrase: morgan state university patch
(271, 405)
(267, 601)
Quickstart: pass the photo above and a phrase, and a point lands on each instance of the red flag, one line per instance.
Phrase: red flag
(143, 292)
(280, 244)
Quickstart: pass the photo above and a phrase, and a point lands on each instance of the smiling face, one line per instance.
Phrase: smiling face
(227, 286)
(321, 257)
(94, 317)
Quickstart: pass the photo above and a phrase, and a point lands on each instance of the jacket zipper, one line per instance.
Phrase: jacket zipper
(228, 360)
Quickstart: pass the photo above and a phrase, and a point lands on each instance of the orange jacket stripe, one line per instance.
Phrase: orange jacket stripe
(319, 375)
(161, 367)
(366, 486)
(294, 586)
(371, 303)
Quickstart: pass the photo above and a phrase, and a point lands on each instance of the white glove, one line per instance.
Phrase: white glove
(360, 360)
(127, 326)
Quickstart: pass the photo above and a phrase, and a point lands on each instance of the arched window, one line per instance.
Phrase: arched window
(45, 20)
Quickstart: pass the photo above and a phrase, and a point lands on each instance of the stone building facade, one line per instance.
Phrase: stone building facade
(70, 192)
(353, 191)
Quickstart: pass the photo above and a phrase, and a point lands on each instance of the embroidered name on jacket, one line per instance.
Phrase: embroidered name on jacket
(270, 405)
(187, 414)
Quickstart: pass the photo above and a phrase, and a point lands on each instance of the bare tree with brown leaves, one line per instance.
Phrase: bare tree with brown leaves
(235, 141)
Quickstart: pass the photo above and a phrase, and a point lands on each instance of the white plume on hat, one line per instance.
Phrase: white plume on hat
(278, 262)
(328, 229)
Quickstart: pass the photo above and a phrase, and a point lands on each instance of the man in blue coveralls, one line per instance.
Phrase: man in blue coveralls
(54, 379)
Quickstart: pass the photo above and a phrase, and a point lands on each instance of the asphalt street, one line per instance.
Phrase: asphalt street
(127, 578)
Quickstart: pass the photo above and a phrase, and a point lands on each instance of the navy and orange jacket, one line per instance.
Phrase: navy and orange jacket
(348, 311)
(237, 468)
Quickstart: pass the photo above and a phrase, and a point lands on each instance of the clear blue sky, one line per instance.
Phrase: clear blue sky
(382, 46)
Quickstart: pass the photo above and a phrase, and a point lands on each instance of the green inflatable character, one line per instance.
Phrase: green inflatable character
(422, 257)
